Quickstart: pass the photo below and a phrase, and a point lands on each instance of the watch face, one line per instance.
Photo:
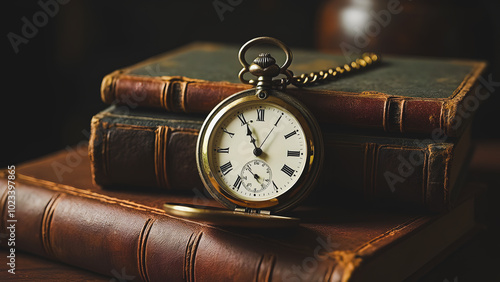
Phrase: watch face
(257, 151)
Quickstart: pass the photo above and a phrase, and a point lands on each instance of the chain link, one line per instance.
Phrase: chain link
(308, 79)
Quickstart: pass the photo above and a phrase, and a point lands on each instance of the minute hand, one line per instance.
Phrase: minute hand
(266, 138)
(275, 124)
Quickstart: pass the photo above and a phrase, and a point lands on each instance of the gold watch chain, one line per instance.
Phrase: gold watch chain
(307, 79)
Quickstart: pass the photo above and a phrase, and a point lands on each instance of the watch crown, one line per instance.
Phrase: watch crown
(264, 60)
(264, 66)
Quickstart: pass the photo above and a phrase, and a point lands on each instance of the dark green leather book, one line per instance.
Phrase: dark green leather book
(402, 94)
(157, 149)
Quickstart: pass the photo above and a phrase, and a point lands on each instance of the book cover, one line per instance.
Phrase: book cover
(138, 147)
(402, 94)
(31, 267)
(68, 219)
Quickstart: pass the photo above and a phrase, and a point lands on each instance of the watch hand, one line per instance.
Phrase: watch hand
(256, 151)
(249, 169)
(266, 138)
(249, 132)
(275, 124)
(256, 176)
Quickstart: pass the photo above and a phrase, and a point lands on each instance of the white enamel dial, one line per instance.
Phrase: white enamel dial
(257, 152)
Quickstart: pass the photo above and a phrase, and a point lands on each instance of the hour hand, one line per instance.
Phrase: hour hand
(256, 151)
(249, 132)
(256, 176)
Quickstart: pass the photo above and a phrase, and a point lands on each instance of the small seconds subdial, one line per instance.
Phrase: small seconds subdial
(256, 176)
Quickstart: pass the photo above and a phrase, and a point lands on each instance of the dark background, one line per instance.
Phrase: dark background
(51, 86)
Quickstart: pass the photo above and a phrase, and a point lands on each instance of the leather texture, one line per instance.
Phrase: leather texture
(138, 147)
(63, 216)
(403, 94)
(35, 268)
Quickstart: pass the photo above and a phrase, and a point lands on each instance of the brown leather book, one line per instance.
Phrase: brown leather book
(402, 94)
(64, 217)
(157, 149)
(34, 268)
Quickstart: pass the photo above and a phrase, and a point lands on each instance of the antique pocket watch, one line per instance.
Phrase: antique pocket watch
(259, 151)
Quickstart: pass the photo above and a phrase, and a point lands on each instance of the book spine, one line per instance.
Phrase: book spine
(133, 155)
(356, 169)
(174, 94)
(127, 240)
(438, 190)
(409, 176)
(368, 110)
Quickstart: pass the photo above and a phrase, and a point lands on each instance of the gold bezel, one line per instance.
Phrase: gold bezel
(224, 217)
(308, 176)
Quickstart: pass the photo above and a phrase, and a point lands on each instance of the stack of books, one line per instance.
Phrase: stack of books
(391, 201)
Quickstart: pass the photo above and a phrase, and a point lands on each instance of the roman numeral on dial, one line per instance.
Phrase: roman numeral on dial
(276, 124)
(237, 183)
(293, 153)
(223, 150)
(260, 114)
(230, 133)
(226, 168)
(275, 187)
(290, 134)
(242, 119)
(287, 170)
